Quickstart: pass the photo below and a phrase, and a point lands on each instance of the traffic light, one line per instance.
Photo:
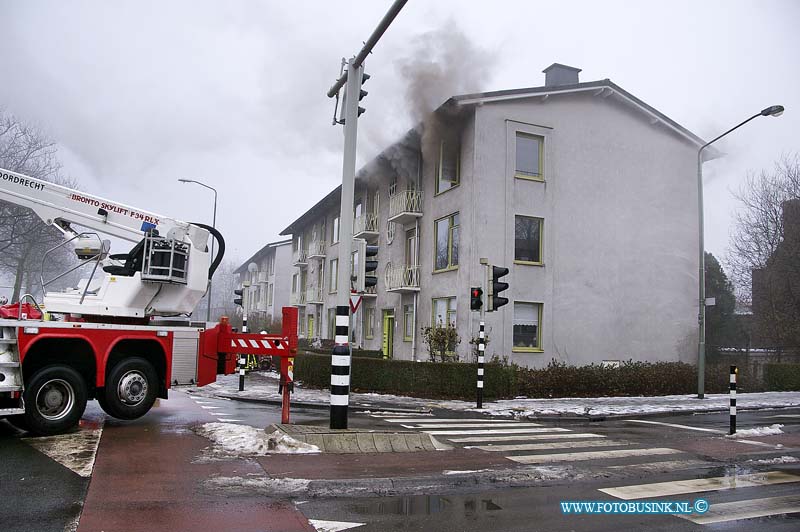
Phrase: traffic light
(496, 286)
(364, 266)
(238, 300)
(362, 92)
(475, 298)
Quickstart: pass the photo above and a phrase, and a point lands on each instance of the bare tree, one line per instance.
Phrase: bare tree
(24, 238)
(764, 253)
(225, 282)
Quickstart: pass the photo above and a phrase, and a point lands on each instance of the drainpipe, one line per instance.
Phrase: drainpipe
(416, 294)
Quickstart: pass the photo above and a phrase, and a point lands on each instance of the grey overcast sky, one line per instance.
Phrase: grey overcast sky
(141, 93)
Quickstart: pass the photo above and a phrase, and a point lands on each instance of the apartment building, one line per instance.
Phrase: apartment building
(269, 273)
(586, 193)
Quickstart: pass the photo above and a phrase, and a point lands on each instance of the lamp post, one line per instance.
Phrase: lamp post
(214, 225)
(774, 110)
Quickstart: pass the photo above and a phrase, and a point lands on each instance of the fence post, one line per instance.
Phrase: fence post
(481, 349)
(734, 371)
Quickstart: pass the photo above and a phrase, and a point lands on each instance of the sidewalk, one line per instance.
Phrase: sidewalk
(263, 387)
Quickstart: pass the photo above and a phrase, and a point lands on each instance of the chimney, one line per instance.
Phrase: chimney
(557, 74)
(791, 220)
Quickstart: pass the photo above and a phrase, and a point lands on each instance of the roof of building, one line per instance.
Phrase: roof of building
(261, 253)
(604, 87)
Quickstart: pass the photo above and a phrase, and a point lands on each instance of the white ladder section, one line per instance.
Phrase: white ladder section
(10, 373)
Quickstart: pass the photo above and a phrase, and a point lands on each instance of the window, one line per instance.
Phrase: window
(446, 238)
(444, 312)
(323, 232)
(393, 187)
(334, 279)
(335, 231)
(411, 247)
(447, 171)
(527, 333)
(331, 323)
(408, 323)
(529, 157)
(369, 317)
(270, 293)
(294, 284)
(358, 208)
(528, 239)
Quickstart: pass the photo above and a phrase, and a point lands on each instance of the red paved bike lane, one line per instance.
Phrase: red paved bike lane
(147, 477)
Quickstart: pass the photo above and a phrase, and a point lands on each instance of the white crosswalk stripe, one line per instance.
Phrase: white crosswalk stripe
(527, 437)
(548, 446)
(721, 512)
(591, 455)
(468, 425)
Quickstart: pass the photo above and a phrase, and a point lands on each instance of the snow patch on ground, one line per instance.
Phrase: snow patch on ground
(772, 430)
(778, 460)
(271, 486)
(465, 472)
(247, 440)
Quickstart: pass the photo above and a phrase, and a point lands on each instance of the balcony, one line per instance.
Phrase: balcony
(314, 296)
(316, 250)
(262, 277)
(405, 206)
(366, 227)
(402, 279)
(297, 299)
(372, 291)
(300, 258)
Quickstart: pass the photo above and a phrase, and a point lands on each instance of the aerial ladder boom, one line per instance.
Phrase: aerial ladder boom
(166, 273)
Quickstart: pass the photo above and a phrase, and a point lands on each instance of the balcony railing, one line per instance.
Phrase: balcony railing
(315, 296)
(297, 299)
(366, 226)
(371, 291)
(262, 277)
(402, 278)
(300, 258)
(316, 250)
(404, 206)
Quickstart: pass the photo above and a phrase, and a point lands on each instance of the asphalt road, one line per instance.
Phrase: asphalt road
(153, 473)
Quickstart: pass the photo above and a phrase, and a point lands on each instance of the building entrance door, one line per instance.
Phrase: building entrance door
(388, 333)
(310, 329)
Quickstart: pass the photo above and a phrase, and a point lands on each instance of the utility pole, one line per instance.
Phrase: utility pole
(341, 359)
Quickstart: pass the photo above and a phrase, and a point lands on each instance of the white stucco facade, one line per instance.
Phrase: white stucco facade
(617, 196)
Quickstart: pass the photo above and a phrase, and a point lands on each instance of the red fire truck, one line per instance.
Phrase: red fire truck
(122, 335)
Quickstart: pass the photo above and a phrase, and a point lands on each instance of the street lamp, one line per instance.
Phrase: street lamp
(773, 110)
(214, 225)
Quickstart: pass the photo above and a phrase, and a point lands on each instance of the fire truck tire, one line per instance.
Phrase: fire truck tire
(55, 399)
(131, 389)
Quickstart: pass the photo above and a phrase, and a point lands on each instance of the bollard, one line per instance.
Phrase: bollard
(242, 358)
(481, 349)
(340, 369)
(734, 371)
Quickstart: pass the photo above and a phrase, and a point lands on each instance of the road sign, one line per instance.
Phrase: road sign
(355, 302)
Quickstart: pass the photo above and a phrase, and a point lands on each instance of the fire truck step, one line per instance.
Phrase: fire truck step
(9, 364)
(11, 411)
(10, 388)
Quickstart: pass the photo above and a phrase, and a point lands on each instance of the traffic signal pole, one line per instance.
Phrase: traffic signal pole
(341, 359)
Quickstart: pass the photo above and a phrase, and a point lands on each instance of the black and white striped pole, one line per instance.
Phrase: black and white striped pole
(340, 369)
(481, 350)
(242, 357)
(734, 371)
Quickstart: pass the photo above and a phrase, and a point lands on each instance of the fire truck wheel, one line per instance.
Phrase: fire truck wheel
(131, 389)
(55, 400)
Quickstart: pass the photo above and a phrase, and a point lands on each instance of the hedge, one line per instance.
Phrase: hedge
(452, 380)
(420, 379)
(782, 377)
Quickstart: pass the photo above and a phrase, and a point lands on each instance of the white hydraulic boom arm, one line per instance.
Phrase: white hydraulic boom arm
(168, 278)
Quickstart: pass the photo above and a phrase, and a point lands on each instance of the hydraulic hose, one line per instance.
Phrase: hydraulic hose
(220, 247)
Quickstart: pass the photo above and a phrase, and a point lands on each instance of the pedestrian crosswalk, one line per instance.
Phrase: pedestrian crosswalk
(712, 490)
(535, 443)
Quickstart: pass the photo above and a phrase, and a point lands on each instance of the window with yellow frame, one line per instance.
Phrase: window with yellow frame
(529, 157)
(527, 334)
(369, 318)
(408, 323)
(448, 169)
(528, 240)
(446, 231)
